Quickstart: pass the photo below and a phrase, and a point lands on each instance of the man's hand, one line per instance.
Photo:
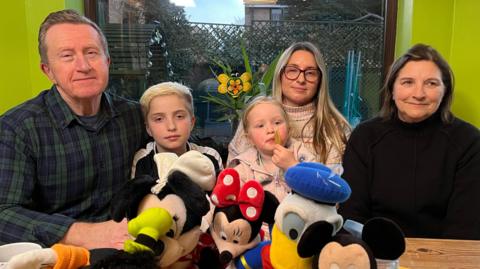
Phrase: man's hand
(108, 234)
(283, 157)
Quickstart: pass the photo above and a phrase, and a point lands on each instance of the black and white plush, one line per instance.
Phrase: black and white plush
(181, 190)
(381, 238)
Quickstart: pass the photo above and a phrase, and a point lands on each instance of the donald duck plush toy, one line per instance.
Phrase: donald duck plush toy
(305, 216)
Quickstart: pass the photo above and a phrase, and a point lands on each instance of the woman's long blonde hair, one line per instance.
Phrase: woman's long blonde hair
(329, 124)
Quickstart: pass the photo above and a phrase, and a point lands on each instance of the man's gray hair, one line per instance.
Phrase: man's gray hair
(66, 16)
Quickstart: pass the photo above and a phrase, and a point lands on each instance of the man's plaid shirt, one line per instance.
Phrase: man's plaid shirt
(55, 170)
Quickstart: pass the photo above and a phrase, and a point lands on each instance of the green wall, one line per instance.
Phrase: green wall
(20, 72)
(14, 52)
(465, 60)
(452, 27)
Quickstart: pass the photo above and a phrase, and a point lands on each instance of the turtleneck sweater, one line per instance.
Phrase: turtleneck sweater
(298, 117)
(424, 176)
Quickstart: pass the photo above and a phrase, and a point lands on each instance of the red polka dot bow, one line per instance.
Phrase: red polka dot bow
(249, 198)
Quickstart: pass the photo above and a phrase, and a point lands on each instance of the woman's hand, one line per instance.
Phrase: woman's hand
(283, 157)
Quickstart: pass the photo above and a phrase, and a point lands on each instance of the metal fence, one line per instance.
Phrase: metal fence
(264, 40)
(137, 54)
(189, 52)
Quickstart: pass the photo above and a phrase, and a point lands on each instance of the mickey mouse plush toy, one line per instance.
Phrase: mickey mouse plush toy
(147, 227)
(181, 191)
(381, 239)
(163, 215)
(239, 214)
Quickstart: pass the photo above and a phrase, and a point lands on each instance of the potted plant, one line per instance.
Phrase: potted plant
(235, 89)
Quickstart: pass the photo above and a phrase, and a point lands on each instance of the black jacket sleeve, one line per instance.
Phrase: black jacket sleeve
(356, 173)
(462, 220)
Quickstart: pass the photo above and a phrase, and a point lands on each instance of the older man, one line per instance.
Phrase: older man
(64, 152)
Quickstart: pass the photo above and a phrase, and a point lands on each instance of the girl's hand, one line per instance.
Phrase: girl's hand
(283, 157)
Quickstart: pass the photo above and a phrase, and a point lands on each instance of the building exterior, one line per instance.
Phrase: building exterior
(263, 10)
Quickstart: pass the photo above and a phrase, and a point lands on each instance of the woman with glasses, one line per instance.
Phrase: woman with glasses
(300, 83)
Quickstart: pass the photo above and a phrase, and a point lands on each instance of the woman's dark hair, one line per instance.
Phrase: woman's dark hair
(419, 52)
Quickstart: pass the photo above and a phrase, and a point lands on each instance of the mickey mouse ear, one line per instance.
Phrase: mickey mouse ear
(198, 167)
(164, 162)
(317, 182)
(384, 237)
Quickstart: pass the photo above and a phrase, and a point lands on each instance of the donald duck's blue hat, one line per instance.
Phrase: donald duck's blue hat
(317, 182)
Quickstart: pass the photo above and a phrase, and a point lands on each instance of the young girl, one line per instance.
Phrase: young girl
(301, 85)
(266, 128)
(168, 112)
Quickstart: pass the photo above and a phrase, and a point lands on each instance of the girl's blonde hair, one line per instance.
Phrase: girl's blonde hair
(163, 89)
(329, 124)
(262, 100)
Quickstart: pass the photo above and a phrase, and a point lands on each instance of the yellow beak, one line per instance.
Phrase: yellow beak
(283, 252)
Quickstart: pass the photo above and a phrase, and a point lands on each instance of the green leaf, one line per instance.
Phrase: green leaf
(268, 75)
(247, 99)
(230, 107)
(246, 60)
(227, 117)
(220, 64)
(222, 110)
(213, 72)
(218, 101)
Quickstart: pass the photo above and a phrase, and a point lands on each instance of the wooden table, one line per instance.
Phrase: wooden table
(440, 253)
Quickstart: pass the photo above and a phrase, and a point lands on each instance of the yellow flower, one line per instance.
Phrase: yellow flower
(246, 77)
(247, 86)
(234, 85)
(223, 79)
(222, 88)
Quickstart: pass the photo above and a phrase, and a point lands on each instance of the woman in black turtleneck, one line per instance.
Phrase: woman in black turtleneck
(416, 163)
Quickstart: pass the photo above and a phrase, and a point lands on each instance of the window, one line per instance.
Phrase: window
(276, 14)
(157, 40)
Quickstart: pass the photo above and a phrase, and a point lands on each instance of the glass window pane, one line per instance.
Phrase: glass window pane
(182, 40)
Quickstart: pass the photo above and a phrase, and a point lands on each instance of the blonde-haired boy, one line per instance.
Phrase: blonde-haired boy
(168, 113)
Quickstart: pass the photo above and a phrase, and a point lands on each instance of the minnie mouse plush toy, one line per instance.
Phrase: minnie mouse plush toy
(238, 216)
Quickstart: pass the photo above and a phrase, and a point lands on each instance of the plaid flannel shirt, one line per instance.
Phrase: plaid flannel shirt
(55, 170)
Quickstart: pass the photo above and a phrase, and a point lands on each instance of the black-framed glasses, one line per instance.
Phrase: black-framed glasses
(292, 72)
